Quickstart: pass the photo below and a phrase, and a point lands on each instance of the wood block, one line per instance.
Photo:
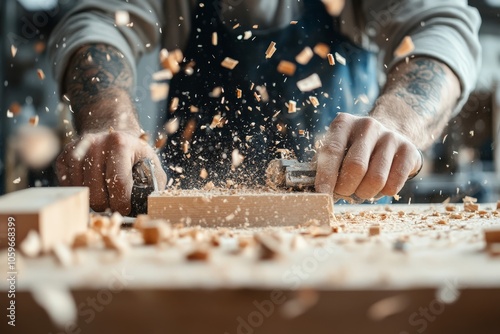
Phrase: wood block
(245, 209)
(57, 214)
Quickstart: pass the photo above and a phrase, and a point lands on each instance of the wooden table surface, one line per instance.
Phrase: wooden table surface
(426, 271)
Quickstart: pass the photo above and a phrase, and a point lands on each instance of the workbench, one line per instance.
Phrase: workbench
(423, 268)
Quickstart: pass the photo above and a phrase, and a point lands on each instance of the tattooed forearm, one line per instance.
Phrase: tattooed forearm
(418, 99)
(98, 83)
(421, 86)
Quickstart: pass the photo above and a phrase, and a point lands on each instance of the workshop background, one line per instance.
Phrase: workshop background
(465, 160)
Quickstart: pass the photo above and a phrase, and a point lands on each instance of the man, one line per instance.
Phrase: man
(362, 156)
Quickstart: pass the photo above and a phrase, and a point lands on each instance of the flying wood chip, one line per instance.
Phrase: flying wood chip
(287, 68)
(304, 56)
(310, 83)
(405, 47)
(271, 49)
(229, 63)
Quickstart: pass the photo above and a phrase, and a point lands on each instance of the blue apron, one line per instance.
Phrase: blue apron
(258, 128)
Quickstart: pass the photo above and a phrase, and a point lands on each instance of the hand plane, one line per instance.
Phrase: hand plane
(145, 183)
(290, 173)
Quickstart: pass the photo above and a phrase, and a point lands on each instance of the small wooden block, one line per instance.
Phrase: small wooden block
(57, 214)
(256, 209)
(492, 235)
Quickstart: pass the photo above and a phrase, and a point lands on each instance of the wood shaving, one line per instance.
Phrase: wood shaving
(162, 75)
(13, 51)
(40, 74)
(292, 106)
(310, 83)
(122, 18)
(314, 101)
(287, 68)
(405, 47)
(199, 254)
(304, 56)
(239, 93)
(268, 247)
(340, 59)
(229, 63)
(215, 39)
(271, 49)
(471, 207)
(33, 121)
(374, 230)
(330, 58)
(322, 50)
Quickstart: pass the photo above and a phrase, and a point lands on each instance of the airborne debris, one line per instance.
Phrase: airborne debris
(159, 91)
(40, 74)
(287, 68)
(304, 56)
(340, 59)
(405, 47)
(122, 18)
(271, 49)
(322, 50)
(229, 63)
(310, 83)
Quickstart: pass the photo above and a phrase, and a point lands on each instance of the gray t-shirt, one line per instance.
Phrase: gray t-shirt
(442, 29)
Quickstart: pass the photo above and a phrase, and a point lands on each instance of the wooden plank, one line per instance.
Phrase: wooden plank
(232, 210)
(57, 214)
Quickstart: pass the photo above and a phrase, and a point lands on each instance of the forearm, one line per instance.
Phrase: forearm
(418, 99)
(98, 82)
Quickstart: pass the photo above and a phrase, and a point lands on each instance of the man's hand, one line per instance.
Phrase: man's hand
(103, 162)
(367, 157)
(98, 84)
(360, 156)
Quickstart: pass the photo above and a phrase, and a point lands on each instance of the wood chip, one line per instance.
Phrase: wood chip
(310, 83)
(229, 63)
(155, 231)
(162, 75)
(171, 126)
(334, 7)
(292, 106)
(33, 121)
(287, 68)
(269, 247)
(215, 39)
(199, 254)
(40, 74)
(239, 93)
(236, 158)
(314, 101)
(159, 91)
(271, 49)
(86, 239)
(340, 59)
(374, 230)
(450, 208)
(405, 47)
(498, 205)
(330, 58)
(174, 104)
(304, 56)
(471, 207)
(494, 249)
(468, 199)
(322, 50)
(492, 235)
(15, 109)
(161, 141)
(203, 173)
(31, 246)
(122, 18)
(170, 60)
(13, 51)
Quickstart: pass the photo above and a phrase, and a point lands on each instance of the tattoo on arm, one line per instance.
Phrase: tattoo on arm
(97, 74)
(421, 87)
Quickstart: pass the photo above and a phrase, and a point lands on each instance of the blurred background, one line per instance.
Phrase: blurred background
(465, 160)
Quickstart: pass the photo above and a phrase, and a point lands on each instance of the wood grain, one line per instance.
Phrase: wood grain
(239, 210)
(57, 214)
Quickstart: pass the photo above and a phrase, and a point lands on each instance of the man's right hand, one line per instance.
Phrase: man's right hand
(103, 162)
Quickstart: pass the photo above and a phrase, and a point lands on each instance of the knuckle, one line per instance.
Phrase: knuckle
(376, 179)
(116, 139)
(355, 167)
